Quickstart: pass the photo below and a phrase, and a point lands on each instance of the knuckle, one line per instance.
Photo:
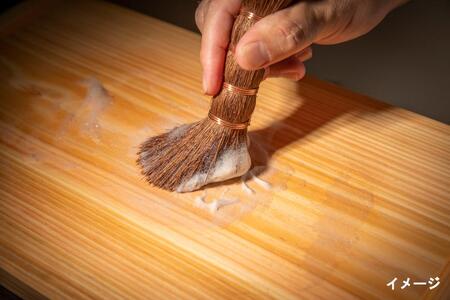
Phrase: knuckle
(292, 33)
(200, 14)
(214, 5)
(199, 18)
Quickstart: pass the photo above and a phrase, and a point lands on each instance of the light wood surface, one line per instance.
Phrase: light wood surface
(360, 190)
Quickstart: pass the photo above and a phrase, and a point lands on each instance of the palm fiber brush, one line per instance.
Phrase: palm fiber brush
(215, 148)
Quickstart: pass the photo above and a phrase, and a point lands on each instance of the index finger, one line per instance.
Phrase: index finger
(218, 23)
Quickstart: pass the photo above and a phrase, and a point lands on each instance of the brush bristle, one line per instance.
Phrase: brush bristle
(169, 159)
(173, 158)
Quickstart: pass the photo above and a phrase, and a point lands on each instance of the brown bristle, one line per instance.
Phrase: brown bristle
(172, 158)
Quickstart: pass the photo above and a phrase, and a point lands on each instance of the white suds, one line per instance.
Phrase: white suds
(97, 99)
(178, 132)
(214, 205)
(232, 163)
(260, 182)
(245, 186)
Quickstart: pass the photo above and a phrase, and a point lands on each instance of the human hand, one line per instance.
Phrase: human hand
(281, 42)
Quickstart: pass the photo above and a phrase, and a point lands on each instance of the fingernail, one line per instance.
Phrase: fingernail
(289, 75)
(255, 55)
(292, 76)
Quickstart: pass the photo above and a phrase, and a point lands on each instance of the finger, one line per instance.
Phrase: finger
(291, 68)
(279, 36)
(218, 23)
(200, 14)
(304, 55)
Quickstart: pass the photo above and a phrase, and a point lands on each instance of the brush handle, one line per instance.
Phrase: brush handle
(238, 108)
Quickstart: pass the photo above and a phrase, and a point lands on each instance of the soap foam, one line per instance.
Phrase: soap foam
(214, 205)
(230, 164)
(87, 116)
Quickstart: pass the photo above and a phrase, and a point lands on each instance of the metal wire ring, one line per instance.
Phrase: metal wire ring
(227, 124)
(229, 88)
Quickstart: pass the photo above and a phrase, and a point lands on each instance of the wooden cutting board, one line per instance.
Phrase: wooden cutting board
(359, 190)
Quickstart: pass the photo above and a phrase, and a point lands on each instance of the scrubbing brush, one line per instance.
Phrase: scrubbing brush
(216, 148)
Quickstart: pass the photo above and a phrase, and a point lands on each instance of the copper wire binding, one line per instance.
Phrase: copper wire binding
(229, 88)
(227, 124)
(249, 15)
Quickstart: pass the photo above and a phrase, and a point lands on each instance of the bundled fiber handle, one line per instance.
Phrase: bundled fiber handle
(215, 148)
(233, 105)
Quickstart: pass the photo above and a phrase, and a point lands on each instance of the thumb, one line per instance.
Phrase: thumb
(278, 36)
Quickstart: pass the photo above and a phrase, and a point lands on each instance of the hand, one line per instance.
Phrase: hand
(281, 42)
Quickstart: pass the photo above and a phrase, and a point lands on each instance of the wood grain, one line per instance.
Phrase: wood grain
(360, 189)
